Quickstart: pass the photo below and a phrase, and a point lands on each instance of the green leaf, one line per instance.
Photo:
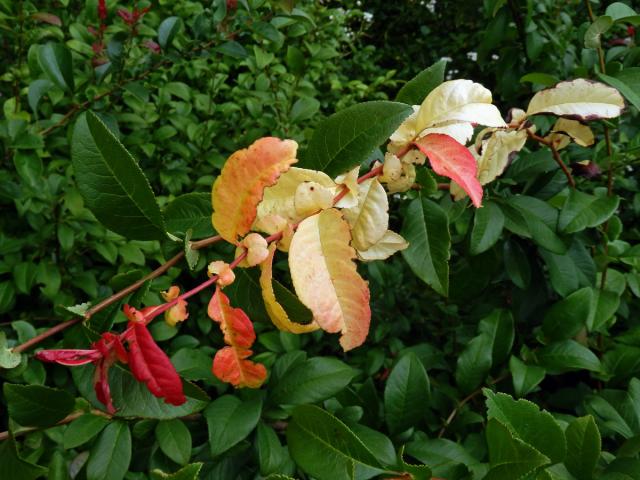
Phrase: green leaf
(623, 13)
(417, 472)
(528, 423)
(540, 219)
(510, 457)
(426, 228)
(325, 447)
(83, 429)
(627, 81)
(36, 405)
(540, 78)
(604, 306)
(415, 90)
(271, 454)
(133, 399)
(525, 377)
(167, 31)
(619, 418)
(174, 439)
(188, 472)
(567, 355)
(230, 420)
(37, 89)
(443, 456)
(8, 359)
(571, 271)
(500, 329)
(303, 109)
(232, 49)
(582, 211)
(7, 296)
(295, 61)
(474, 363)
(56, 62)
(349, 137)
(405, 394)
(595, 31)
(14, 467)
(583, 447)
(111, 454)
(312, 381)
(568, 316)
(112, 183)
(488, 222)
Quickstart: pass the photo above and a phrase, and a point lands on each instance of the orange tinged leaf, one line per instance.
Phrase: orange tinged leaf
(276, 312)
(240, 187)
(230, 363)
(452, 159)
(325, 277)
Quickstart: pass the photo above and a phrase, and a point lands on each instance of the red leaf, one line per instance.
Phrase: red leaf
(151, 365)
(452, 159)
(70, 358)
(101, 384)
(230, 365)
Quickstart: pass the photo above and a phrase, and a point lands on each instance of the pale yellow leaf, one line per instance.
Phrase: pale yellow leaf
(460, 131)
(311, 197)
(276, 312)
(579, 133)
(369, 219)
(349, 181)
(459, 101)
(578, 99)
(325, 278)
(389, 244)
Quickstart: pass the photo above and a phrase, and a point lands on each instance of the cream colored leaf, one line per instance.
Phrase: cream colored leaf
(279, 199)
(579, 133)
(325, 278)
(460, 101)
(496, 152)
(578, 99)
(311, 197)
(406, 132)
(276, 312)
(369, 219)
(389, 244)
(349, 181)
(460, 131)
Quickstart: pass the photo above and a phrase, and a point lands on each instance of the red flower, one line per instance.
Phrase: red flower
(102, 9)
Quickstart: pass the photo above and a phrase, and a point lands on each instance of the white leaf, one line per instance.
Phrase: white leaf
(389, 244)
(369, 219)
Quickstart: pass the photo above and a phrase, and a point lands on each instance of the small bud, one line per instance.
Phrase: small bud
(311, 197)
(225, 274)
(177, 313)
(257, 250)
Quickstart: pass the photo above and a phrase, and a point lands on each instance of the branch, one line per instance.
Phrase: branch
(467, 399)
(115, 297)
(68, 419)
(556, 156)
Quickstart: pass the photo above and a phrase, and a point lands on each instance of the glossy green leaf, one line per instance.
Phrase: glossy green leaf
(349, 137)
(83, 429)
(499, 327)
(509, 456)
(415, 90)
(582, 211)
(8, 359)
(583, 447)
(525, 377)
(474, 363)
(111, 454)
(230, 420)
(271, 454)
(405, 394)
(426, 228)
(568, 316)
(623, 13)
(312, 381)
(188, 472)
(167, 31)
(56, 62)
(567, 355)
(112, 183)
(174, 439)
(37, 89)
(36, 405)
(325, 447)
(571, 271)
(488, 222)
(595, 31)
(14, 467)
(528, 423)
(190, 211)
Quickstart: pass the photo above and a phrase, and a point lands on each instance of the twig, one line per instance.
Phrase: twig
(68, 419)
(466, 400)
(115, 297)
(556, 156)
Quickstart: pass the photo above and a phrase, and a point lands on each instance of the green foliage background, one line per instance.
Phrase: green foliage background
(527, 313)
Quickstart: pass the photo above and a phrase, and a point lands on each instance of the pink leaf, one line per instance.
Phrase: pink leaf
(452, 159)
(71, 358)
